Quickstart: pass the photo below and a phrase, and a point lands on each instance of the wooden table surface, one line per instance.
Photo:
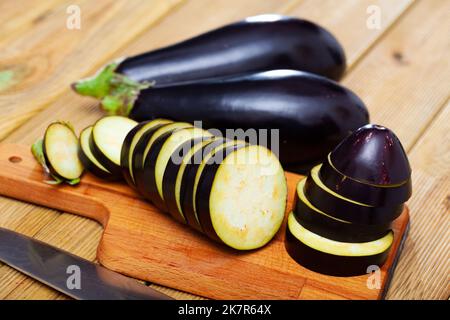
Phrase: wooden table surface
(400, 67)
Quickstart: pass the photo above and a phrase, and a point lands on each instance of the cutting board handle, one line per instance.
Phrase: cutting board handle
(22, 178)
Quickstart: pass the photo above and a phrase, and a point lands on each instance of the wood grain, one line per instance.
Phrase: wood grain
(379, 93)
(144, 243)
(423, 270)
(44, 61)
(347, 19)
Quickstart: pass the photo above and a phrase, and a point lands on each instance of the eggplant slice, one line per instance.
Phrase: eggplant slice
(131, 140)
(158, 158)
(332, 228)
(174, 173)
(370, 194)
(108, 135)
(333, 204)
(331, 257)
(88, 159)
(143, 150)
(58, 154)
(242, 199)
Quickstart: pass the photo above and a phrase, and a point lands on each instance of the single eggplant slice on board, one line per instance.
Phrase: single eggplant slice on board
(173, 175)
(370, 194)
(58, 154)
(331, 257)
(259, 43)
(191, 175)
(108, 135)
(330, 227)
(159, 156)
(88, 159)
(143, 150)
(241, 200)
(129, 144)
(335, 205)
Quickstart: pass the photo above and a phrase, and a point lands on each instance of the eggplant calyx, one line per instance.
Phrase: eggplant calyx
(116, 91)
(37, 150)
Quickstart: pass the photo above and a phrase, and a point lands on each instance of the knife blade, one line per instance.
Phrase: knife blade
(74, 276)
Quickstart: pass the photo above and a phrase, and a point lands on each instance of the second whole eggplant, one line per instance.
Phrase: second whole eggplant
(312, 113)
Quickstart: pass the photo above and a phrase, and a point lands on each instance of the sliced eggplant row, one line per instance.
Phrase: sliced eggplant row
(108, 135)
(58, 154)
(88, 159)
(332, 228)
(374, 195)
(331, 257)
(333, 204)
(189, 179)
(174, 173)
(142, 150)
(131, 140)
(158, 157)
(241, 200)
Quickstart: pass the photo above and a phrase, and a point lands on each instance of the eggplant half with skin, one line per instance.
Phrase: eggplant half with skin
(343, 208)
(330, 227)
(259, 43)
(369, 166)
(312, 114)
(57, 153)
(331, 257)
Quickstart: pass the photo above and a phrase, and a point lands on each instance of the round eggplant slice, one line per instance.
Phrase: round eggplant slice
(142, 149)
(174, 174)
(374, 195)
(88, 159)
(189, 182)
(332, 228)
(126, 156)
(372, 154)
(58, 153)
(108, 135)
(331, 257)
(241, 200)
(158, 157)
(335, 205)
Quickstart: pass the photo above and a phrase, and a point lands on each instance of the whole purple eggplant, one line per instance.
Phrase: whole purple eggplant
(260, 43)
(312, 113)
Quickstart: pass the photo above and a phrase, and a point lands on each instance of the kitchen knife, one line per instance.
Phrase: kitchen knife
(74, 276)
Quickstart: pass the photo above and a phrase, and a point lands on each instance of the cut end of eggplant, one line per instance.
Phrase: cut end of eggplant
(58, 154)
(333, 257)
(248, 198)
(372, 154)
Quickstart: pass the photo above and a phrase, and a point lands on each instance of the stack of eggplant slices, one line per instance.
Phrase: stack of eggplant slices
(263, 73)
(340, 223)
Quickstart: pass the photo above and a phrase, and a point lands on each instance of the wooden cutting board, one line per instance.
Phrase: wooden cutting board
(144, 243)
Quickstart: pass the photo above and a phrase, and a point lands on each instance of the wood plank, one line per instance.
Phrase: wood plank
(404, 79)
(42, 62)
(347, 19)
(422, 272)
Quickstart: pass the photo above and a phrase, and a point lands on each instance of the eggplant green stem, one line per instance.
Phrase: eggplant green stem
(37, 149)
(116, 91)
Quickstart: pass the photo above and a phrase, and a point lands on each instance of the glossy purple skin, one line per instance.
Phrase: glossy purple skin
(259, 43)
(372, 154)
